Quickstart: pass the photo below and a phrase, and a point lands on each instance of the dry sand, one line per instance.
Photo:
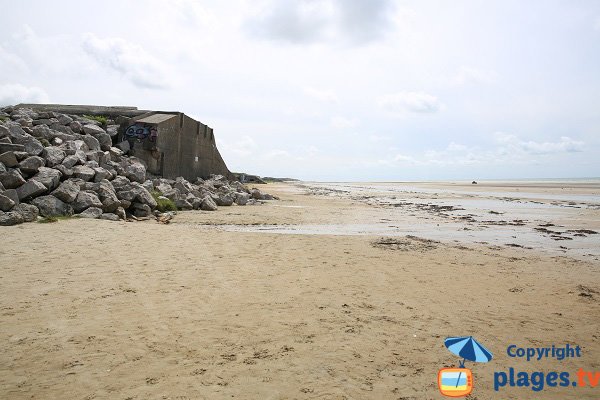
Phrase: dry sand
(93, 309)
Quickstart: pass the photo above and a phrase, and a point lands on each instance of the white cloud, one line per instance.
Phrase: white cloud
(597, 24)
(416, 102)
(243, 147)
(15, 93)
(321, 95)
(342, 123)
(132, 61)
(474, 75)
(310, 21)
(512, 143)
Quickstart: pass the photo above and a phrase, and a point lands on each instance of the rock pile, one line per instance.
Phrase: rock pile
(54, 164)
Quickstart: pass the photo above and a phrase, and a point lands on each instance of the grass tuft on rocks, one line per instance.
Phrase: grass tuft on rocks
(164, 204)
(99, 118)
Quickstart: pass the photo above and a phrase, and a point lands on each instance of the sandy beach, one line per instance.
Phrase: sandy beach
(336, 291)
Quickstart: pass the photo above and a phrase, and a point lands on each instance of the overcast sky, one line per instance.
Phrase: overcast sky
(333, 89)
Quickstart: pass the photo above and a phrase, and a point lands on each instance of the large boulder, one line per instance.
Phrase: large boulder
(53, 155)
(105, 141)
(241, 199)
(31, 145)
(30, 189)
(92, 212)
(6, 203)
(83, 172)
(143, 196)
(92, 143)
(11, 179)
(120, 183)
(141, 210)
(29, 212)
(31, 165)
(70, 161)
(208, 204)
(10, 218)
(101, 174)
(85, 200)
(107, 195)
(136, 172)
(67, 191)
(225, 199)
(50, 206)
(92, 129)
(49, 177)
(9, 159)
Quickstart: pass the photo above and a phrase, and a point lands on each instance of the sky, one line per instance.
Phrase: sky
(350, 90)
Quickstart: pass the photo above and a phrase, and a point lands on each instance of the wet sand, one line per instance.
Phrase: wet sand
(218, 305)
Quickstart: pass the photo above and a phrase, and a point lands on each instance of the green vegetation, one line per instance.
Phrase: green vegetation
(44, 142)
(164, 204)
(99, 118)
(3, 119)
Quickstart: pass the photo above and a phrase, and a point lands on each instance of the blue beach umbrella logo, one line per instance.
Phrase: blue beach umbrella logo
(458, 382)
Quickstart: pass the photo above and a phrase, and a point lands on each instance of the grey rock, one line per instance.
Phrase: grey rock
(91, 212)
(136, 172)
(110, 217)
(70, 161)
(76, 126)
(31, 145)
(12, 194)
(123, 146)
(143, 196)
(11, 179)
(127, 195)
(86, 199)
(208, 204)
(30, 189)
(93, 155)
(2, 168)
(163, 187)
(29, 212)
(67, 191)
(120, 183)
(91, 142)
(4, 147)
(45, 121)
(66, 172)
(241, 199)
(64, 119)
(49, 177)
(148, 185)
(42, 132)
(183, 204)
(92, 129)
(10, 218)
(83, 172)
(53, 155)
(120, 212)
(9, 159)
(256, 194)
(224, 200)
(105, 141)
(50, 206)
(112, 130)
(31, 165)
(4, 132)
(141, 210)
(101, 174)
(21, 155)
(6, 203)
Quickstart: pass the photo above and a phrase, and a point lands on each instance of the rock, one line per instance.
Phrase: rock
(2, 169)
(4, 147)
(148, 185)
(112, 130)
(11, 179)
(30, 189)
(141, 210)
(6, 203)
(256, 194)
(183, 204)
(21, 155)
(115, 154)
(143, 196)
(92, 129)
(86, 199)
(67, 191)
(101, 174)
(123, 146)
(92, 143)
(31, 165)
(9, 159)
(163, 187)
(4, 132)
(107, 195)
(208, 204)
(31, 145)
(120, 183)
(50, 206)
(64, 119)
(224, 200)
(105, 141)
(110, 217)
(127, 195)
(92, 212)
(136, 172)
(70, 161)
(66, 172)
(193, 200)
(53, 155)
(241, 199)
(182, 185)
(29, 212)
(121, 213)
(10, 218)
(12, 194)
(45, 121)
(83, 172)
(76, 126)
(42, 132)
(49, 177)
